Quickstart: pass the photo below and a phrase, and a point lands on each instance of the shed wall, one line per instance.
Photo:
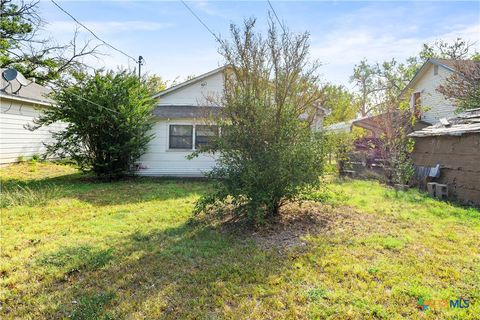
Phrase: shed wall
(459, 159)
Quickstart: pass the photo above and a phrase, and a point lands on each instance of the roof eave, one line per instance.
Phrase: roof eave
(188, 82)
(24, 99)
(421, 71)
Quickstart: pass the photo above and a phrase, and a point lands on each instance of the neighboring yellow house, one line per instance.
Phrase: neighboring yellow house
(423, 90)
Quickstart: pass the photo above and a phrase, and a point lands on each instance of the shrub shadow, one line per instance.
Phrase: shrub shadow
(191, 271)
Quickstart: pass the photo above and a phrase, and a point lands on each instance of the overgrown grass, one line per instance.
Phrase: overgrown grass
(18, 195)
(128, 250)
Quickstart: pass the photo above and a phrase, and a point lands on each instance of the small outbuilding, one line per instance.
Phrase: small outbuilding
(453, 146)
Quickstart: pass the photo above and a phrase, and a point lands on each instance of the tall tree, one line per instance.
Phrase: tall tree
(22, 48)
(463, 86)
(458, 49)
(267, 152)
(364, 78)
(155, 83)
(340, 102)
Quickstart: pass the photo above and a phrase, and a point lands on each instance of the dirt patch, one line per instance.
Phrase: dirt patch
(295, 222)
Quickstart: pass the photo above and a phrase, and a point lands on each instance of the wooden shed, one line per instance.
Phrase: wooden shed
(453, 145)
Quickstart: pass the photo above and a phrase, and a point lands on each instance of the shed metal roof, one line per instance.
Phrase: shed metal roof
(467, 122)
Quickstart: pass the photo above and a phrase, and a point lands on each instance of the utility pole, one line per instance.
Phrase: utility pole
(140, 64)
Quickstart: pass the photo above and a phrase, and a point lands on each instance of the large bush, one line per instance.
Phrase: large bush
(396, 123)
(108, 119)
(267, 152)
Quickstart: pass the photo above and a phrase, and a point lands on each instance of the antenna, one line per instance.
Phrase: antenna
(140, 64)
(22, 80)
(10, 74)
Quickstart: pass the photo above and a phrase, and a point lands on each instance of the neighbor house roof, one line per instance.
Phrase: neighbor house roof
(448, 64)
(467, 122)
(344, 126)
(32, 92)
(184, 112)
(189, 82)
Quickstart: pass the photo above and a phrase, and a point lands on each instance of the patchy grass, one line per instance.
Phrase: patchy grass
(129, 249)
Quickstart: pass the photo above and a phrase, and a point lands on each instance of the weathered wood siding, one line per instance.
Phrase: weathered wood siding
(459, 158)
(16, 142)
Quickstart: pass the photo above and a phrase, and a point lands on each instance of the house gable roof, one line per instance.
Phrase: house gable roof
(189, 82)
(448, 64)
(444, 63)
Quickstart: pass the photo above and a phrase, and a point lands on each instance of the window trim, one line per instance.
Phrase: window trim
(205, 125)
(416, 104)
(194, 134)
(169, 148)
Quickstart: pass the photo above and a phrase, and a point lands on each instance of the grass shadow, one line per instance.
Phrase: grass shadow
(124, 191)
(174, 273)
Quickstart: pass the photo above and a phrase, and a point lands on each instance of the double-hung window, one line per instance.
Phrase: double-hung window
(181, 137)
(416, 104)
(185, 137)
(204, 135)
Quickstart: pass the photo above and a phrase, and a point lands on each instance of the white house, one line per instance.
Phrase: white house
(423, 90)
(181, 127)
(19, 105)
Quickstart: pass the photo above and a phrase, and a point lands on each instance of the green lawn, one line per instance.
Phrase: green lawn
(75, 248)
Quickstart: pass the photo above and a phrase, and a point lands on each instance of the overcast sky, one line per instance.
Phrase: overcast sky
(176, 45)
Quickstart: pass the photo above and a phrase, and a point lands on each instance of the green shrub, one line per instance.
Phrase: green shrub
(267, 152)
(35, 157)
(108, 117)
(340, 145)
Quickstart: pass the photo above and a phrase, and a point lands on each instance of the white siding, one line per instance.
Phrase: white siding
(160, 161)
(198, 93)
(433, 102)
(15, 140)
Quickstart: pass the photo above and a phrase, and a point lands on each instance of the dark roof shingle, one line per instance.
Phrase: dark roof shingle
(184, 112)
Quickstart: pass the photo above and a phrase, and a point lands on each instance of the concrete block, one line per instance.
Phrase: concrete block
(441, 191)
(432, 188)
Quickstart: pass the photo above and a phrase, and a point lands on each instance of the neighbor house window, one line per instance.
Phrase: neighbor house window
(416, 105)
(181, 137)
(204, 135)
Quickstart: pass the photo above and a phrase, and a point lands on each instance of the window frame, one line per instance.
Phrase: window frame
(217, 134)
(192, 136)
(416, 104)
